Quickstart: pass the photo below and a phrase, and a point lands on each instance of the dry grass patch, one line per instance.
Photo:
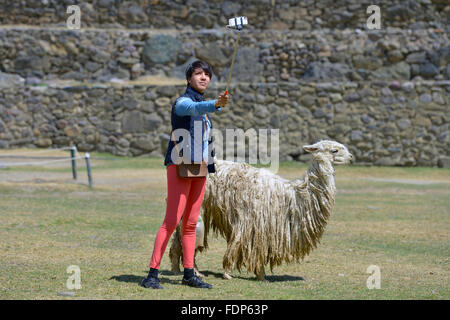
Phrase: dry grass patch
(51, 223)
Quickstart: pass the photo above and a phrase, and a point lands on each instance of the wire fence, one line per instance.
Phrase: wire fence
(38, 151)
(74, 155)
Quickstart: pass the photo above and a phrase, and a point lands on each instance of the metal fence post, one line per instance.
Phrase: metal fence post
(88, 166)
(74, 165)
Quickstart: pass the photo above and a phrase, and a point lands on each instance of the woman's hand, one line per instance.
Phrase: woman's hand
(222, 100)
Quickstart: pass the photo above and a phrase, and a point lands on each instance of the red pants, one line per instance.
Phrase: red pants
(184, 199)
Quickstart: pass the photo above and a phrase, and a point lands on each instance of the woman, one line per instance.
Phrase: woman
(185, 195)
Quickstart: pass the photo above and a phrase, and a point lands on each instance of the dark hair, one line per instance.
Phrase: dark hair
(198, 64)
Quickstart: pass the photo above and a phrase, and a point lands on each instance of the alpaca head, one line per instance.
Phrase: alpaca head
(329, 151)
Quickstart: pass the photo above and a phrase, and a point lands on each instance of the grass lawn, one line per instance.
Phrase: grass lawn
(395, 218)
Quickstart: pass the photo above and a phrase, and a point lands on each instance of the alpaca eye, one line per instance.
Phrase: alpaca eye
(334, 151)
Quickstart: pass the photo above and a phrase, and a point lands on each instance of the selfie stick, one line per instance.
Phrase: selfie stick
(235, 23)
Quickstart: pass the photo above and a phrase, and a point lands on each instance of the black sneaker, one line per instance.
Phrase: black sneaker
(196, 282)
(151, 282)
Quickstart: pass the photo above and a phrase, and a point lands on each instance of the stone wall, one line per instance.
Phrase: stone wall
(309, 68)
(197, 14)
(382, 123)
(263, 56)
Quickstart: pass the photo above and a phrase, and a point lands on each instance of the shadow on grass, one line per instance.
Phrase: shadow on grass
(283, 278)
(138, 279)
(274, 278)
(127, 278)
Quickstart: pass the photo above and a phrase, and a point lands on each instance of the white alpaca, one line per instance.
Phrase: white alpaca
(267, 219)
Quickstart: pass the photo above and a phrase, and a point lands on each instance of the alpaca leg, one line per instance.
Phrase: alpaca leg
(227, 262)
(227, 275)
(176, 251)
(260, 274)
(196, 271)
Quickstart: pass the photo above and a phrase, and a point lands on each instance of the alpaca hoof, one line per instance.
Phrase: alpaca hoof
(263, 279)
(176, 269)
(226, 276)
(199, 274)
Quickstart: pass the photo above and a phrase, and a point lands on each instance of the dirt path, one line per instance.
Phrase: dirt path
(407, 181)
(115, 179)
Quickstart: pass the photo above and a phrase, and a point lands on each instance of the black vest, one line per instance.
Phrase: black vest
(187, 123)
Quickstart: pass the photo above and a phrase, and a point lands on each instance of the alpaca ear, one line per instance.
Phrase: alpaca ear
(310, 149)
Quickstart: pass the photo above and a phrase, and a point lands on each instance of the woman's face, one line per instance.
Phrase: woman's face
(199, 80)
